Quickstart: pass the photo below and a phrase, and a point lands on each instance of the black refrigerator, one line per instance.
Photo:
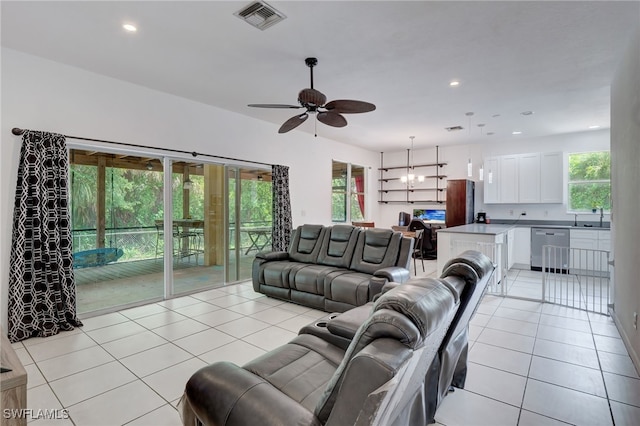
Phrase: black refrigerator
(460, 196)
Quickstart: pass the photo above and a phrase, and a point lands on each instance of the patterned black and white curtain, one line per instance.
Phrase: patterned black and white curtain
(281, 232)
(42, 290)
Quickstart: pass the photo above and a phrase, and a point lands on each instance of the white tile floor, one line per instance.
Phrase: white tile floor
(530, 363)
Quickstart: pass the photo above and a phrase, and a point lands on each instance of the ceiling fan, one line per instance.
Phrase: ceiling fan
(315, 102)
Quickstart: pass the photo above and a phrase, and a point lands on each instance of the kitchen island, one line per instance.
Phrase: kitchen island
(496, 241)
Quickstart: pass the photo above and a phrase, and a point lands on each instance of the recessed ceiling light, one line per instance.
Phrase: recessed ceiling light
(527, 113)
(454, 83)
(594, 127)
(517, 132)
(129, 27)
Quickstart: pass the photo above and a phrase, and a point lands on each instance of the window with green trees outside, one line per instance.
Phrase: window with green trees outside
(347, 192)
(589, 181)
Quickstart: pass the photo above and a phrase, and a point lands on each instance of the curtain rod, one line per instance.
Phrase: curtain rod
(18, 131)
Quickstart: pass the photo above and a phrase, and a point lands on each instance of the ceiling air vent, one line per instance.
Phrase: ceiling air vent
(453, 129)
(260, 15)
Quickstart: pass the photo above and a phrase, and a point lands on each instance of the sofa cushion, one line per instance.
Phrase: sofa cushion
(376, 248)
(300, 369)
(310, 278)
(338, 245)
(306, 243)
(276, 274)
(348, 287)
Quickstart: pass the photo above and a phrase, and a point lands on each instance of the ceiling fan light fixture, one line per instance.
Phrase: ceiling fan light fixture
(311, 97)
(315, 102)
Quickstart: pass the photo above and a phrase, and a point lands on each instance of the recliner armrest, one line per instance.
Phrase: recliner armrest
(393, 273)
(269, 256)
(223, 393)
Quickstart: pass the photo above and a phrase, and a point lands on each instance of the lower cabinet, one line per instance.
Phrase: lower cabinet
(590, 249)
(521, 247)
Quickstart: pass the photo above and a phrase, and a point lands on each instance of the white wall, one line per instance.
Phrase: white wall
(625, 168)
(44, 95)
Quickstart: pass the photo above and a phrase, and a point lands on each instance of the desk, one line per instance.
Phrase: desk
(259, 237)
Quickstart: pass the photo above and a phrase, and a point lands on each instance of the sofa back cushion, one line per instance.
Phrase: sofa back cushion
(338, 245)
(306, 243)
(376, 249)
(407, 313)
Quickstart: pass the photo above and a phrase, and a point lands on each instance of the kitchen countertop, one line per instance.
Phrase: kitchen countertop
(553, 224)
(501, 228)
(477, 228)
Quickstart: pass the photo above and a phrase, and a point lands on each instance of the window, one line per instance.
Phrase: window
(589, 181)
(347, 192)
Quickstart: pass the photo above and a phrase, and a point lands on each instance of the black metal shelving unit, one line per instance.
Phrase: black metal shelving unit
(408, 189)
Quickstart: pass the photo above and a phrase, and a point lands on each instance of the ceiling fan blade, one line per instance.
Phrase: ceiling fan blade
(331, 118)
(274, 106)
(293, 122)
(347, 106)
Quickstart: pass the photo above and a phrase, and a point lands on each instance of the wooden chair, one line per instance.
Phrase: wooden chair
(417, 250)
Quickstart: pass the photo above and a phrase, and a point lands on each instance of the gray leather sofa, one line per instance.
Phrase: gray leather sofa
(332, 375)
(333, 268)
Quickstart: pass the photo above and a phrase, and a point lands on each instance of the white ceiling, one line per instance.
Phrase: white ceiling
(554, 58)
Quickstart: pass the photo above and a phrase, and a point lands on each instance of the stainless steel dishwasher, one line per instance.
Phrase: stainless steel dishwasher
(558, 260)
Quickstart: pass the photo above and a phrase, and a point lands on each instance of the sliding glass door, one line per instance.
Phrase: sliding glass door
(198, 225)
(117, 249)
(139, 235)
(249, 217)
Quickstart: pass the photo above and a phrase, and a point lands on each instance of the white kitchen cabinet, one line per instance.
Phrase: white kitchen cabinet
(551, 177)
(508, 165)
(511, 239)
(529, 178)
(589, 249)
(491, 179)
(522, 246)
(524, 178)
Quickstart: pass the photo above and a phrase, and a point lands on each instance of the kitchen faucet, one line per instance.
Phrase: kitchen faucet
(601, 215)
(575, 219)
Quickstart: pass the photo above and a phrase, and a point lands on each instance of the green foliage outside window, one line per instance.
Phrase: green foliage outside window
(340, 190)
(135, 199)
(589, 181)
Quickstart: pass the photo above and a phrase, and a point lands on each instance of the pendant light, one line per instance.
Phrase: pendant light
(410, 177)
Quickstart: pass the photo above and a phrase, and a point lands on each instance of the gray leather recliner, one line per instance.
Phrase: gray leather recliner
(373, 376)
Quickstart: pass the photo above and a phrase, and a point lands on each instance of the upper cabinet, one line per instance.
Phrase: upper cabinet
(551, 177)
(508, 165)
(529, 175)
(524, 178)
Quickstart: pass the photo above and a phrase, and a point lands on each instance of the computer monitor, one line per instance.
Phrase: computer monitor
(404, 218)
(430, 215)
